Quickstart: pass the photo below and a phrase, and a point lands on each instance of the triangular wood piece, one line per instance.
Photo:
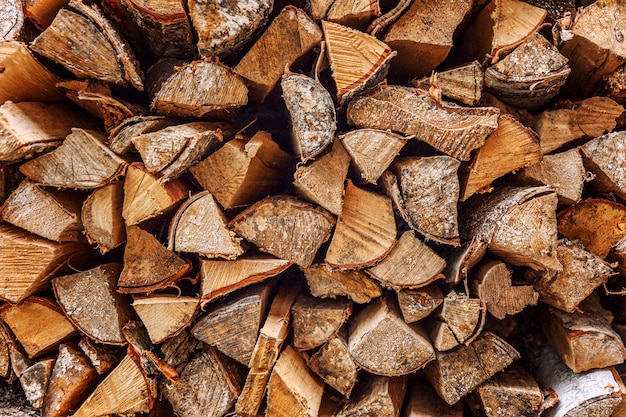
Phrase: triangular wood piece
(463, 84)
(107, 312)
(102, 357)
(327, 282)
(604, 157)
(145, 197)
(286, 227)
(460, 315)
(333, 363)
(410, 264)
(121, 137)
(418, 303)
(83, 161)
(450, 129)
(188, 230)
(371, 151)
(322, 181)
(365, 231)
(355, 14)
(219, 277)
(357, 60)
(102, 217)
(34, 381)
(316, 320)
(508, 148)
(379, 396)
(165, 315)
(148, 265)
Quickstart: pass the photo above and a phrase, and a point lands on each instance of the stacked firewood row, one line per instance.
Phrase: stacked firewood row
(334, 208)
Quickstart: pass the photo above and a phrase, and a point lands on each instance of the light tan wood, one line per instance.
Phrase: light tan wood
(164, 316)
(333, 363)
(102, 357)
(376, 395)
(318, 9)
(462, 259)
(603, 157)
(34, 381)
(415, 304)
(354, 14)
(102, 219)
(422, 401)
(614, 85)
(42, 12)
(6, 344)
(327, 282)
(463, 84)
(12, 17)
(121, 137)
(316, 320)
(459, 320)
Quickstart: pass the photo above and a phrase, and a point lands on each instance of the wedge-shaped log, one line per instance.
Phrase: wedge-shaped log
(34, 381)
(355, 14)
(244, 171)
(371, 151)
(453, 130)
(293, 390)
(85, 42)
(383, 344)
(83, 162)
(188, 229)
(165, 315)
(91, 303)
(28, 128)
(333, 363)
(290, 35)
(121, 137)
(582, 273)
(376, 396)
(327, 282)
(322, 181)
(422, 401)
(459, 320)
(519, 224)
(420, 48)
(510, 147)
(316, 320)
(41, 336)
(102, 219)
(415, 304)
(477, 362)
(463, 84)
(102, 357)
(410, 264)
(286, 227)
(51, 214)
(605, 157)
(233, 325)
(357, 60)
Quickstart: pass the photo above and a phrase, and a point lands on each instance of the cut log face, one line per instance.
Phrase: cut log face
(120, 138)
(50, 214)
(416, 304)
(293, 390)
(453, 130)
(460, 320)
(410, 264)
(89, 300)
(326, 282)
(286, 227)
(463, 84)
(316, 320)
(83, 162)
(198, 89)
(371, 151)
(296, 34)
(357, 60)
(383, 344)
(427, 182)
(420, 48)
(477, 362)
(164, 316)
(604, 156)
(35, 380)
(333, 363)
(354, 14)
(582, 273)
(376, 396)
(102, 357)
(423, 401)
(242, 172)
(102, 219)
(41, 336)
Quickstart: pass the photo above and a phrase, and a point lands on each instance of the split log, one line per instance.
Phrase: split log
(318, 9)
(293, 390)
(266, 224)
(427, 182)
(121, 137)
(28, 128)
(418, 303)
(453, 130)
(519, 224)
(333, 363)
(24, 78)
(12, 18)
(322, 181)
(165, 316)
(476, 363)
(198, 89)
(290, 35)
(420, 48)
(102, 219)
(582, 273)
(41, 336)
(462, 259)
(82, 161)
(493, 286)
(410, 264)
(598, 32)
(244, 171)
(316, 321)
(604, 157)
(102, 357)
(354, 14)
(326, 282)
(312, 115)
(380, 396)
(365, 231)
(233, 325)
(34, 381)
(530, 76)
(42, 12)
(463, 84)
(382, 343)
(6, 344)
(71, 380)
(357, 60)
(145, 197)
(510, 147)
(371, 151)
(48, 213)
(219, 277)
(459, 320)
(423, 401)
(91, 303)
(85, 42)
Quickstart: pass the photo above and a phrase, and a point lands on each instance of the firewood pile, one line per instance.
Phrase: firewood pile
(335, 208)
